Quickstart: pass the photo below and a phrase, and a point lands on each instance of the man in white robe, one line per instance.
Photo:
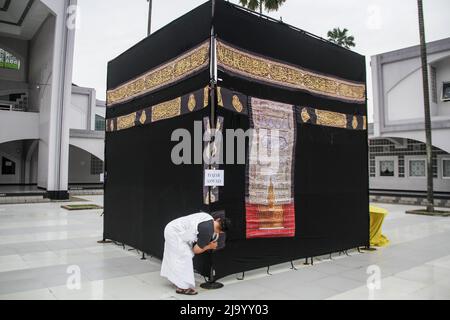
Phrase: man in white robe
(182, 244)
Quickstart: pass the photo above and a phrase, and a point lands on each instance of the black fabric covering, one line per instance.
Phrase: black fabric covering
(144, 190)
(331, 200)
(164, 45)
(282, 42)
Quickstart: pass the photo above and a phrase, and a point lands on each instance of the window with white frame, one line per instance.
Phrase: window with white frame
(417, 168)
(387, 168)
(446, 168)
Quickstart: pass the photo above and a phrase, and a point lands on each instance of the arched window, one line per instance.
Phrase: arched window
(8, 61)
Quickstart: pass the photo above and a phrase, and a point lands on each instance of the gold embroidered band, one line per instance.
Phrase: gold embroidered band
(331, 119)
(166, 110)
(284, 75)
(187, 103)
(232, 100)
(126, 122)
(168, 73)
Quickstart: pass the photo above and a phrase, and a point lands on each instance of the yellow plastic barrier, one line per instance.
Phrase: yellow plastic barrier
(377, 216)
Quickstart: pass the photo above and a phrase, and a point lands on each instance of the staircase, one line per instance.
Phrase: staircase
(22, 102)
(18, 104)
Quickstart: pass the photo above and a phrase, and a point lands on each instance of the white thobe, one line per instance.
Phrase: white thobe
(179, 236)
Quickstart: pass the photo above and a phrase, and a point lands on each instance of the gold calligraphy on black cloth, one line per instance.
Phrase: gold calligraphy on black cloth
(187, 103)
(326, 118)
(233, 101)
(169, 73)
(281, 74)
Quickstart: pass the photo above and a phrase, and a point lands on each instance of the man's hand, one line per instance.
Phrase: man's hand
(213, 245)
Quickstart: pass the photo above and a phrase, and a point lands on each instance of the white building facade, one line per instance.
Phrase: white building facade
(397, 149)
(48, 135)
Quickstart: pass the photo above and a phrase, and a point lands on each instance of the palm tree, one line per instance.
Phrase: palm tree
(426, 97)
(341, 38)
(149, 27)
(269, 5)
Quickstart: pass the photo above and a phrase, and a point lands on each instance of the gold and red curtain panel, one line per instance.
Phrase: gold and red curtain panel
(270, 208)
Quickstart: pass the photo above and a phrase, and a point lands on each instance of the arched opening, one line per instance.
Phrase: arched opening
(19, 166)
(85, 169)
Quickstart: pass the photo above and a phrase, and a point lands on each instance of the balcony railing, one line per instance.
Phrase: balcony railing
(20, 104)
(8, 106)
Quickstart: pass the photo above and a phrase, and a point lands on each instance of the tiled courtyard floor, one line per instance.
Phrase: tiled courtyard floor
(40, 242)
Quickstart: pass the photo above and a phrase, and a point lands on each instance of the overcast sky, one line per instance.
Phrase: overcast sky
(109, 27)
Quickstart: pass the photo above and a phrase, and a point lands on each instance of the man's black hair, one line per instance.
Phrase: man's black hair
(225, 224)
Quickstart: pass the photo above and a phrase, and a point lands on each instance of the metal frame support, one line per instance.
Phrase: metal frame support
(211, 283)
(292, 266)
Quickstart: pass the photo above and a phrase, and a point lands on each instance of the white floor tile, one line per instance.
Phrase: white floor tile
(41, 294)
(416, 265)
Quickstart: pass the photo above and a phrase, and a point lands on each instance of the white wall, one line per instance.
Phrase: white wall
(402, 89)
(398, 89)
(442, 75)
(41, 66)
(404, 100)
(412, 184)
(78, 111)
(16, 125)
(409, 183)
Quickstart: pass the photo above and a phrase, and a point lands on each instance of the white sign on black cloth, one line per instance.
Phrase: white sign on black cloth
(214, 178)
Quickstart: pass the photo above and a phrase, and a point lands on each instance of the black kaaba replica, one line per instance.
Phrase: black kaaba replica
(221, 67)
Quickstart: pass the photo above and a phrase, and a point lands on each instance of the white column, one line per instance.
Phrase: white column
(54, 128)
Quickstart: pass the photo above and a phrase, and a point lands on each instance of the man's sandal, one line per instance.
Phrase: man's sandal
(188, 292)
